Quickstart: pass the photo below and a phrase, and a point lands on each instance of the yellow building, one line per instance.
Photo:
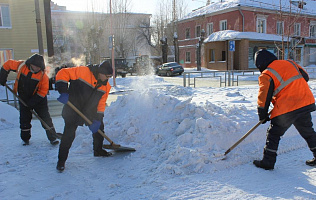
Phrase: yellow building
(18, 28)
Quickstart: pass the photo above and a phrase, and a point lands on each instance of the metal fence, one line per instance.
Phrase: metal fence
(10, 98)
(223, 78)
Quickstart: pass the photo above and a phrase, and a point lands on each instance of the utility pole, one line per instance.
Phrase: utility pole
(175, 32)
(39, 28)
(112, 52)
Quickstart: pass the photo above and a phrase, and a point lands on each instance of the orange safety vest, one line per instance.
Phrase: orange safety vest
(82, 76)
(19, 67)
(291, 91)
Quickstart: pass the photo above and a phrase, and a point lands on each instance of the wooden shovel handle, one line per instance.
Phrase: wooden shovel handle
(89, 122)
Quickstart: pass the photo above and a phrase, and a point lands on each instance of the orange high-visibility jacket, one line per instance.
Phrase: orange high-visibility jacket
(36, 84)
(83, 93)
(290, 91)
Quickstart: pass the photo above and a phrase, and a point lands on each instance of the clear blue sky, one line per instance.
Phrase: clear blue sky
(139, 6)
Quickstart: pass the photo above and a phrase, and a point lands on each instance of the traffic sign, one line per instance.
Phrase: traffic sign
(232, 45)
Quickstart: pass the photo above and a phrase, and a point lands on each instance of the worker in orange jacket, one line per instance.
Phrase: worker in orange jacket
(31, 84)
(88, 91)
(284, 83)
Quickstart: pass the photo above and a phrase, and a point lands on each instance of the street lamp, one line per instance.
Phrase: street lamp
(164, 49)
(176, 50)
(199, 47)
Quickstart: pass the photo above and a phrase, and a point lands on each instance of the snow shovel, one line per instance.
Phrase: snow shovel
(246, 135)
(112, 145)
(57, 135)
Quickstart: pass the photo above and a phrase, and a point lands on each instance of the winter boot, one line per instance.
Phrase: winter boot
(26, 135)
(97, 146)
(262, 164)
(268, 161)
(60, 166)
(102, 153)
(54, 142)
(311, 162)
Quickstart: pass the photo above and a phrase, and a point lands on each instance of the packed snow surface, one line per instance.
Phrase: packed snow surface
(180, 135)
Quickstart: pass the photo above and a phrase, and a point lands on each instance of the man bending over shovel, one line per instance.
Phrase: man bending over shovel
(31, 85)
(284, 83)
(88, 91)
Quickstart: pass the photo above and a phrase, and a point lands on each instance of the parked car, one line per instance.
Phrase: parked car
(169, 69)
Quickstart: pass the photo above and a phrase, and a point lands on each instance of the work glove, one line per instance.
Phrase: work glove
(94, 127)
(263, 115)
(63, 98)
(265, 120)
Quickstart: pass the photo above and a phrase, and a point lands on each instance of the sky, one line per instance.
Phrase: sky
(180, 135)
(139, 6)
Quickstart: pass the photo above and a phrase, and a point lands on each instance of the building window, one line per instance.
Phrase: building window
(298, 55)
(223, 55)
(212, 55)
(5, 20)
(223, 25)
(187, 33)
(312, 29)
(188, 57)
(209, 28)
(261, 25)
(280, 28)
(198, 31)
(297, 29)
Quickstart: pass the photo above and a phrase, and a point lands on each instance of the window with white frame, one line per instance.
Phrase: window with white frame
(261, 25)
(312, 29)
(5, 19)
(223, 25)
(198, 31)
(187, 33)
(209, 28)
(280, 28)
(188, 57)
(297, 29)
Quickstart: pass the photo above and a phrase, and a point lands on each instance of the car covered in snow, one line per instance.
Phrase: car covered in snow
(169, 69)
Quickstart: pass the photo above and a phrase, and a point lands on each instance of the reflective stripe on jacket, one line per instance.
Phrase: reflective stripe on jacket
(83, 92)
(27, 83)
(290, 91)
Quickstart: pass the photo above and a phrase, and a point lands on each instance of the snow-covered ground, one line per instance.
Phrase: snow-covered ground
(179, 134)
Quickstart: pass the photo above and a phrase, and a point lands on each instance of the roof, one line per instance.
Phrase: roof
(236, 35)
(309, 7)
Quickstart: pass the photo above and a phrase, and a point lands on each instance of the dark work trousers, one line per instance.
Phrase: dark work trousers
(26, 116)
(302, 122)
(69, 136)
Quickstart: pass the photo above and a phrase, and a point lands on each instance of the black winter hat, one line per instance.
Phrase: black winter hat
(36, 60)
(263, 58)
(105, 68)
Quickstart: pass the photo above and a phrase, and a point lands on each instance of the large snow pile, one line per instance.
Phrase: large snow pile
(180, 135)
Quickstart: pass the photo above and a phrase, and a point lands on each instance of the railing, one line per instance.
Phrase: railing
(8, 93)
(225, 78)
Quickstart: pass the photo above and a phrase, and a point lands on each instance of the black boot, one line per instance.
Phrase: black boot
(263, 165)
(101, 153)
(97, 146)
(26, 136)
(51, 137)
(311, 162)
(60, 166)
(54, 142)
(268, 161)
